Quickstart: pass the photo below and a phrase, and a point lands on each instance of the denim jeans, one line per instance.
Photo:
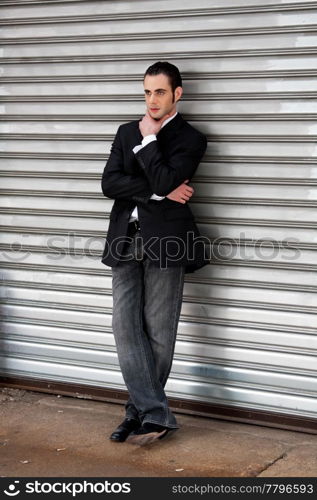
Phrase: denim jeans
(146, 307)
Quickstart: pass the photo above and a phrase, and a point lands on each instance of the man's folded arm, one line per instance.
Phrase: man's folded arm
(118, 185)
(146, 140)
(165, 176)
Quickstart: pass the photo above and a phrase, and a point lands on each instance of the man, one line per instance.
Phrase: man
(152, 242)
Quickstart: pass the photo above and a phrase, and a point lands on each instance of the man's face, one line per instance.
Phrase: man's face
(159, 96)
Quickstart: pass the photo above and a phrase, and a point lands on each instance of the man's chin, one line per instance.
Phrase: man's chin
(155, 116)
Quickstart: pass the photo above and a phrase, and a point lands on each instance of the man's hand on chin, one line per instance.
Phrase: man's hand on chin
(149, 125)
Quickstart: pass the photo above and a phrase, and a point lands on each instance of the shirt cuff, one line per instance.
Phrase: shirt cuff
(146, 140)
(156, 197)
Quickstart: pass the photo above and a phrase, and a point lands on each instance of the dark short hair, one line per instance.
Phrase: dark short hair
(168, 69)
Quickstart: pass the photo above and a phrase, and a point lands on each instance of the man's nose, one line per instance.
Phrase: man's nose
(152, 98)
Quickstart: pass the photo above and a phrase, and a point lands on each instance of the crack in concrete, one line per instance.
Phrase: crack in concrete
(277, 459)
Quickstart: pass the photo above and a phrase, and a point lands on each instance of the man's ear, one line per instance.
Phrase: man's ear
(178, 93)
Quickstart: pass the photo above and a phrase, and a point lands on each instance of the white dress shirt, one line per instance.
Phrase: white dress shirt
(146, 140)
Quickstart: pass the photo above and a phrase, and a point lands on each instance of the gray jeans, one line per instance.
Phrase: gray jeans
(146, 307)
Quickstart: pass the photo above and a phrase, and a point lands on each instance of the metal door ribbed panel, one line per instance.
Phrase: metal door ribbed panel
(71, 74)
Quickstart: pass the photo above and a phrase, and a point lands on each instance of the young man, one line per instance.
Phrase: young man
(151, 243)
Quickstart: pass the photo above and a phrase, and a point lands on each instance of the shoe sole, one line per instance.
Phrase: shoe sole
(143, 439)
(117, 440)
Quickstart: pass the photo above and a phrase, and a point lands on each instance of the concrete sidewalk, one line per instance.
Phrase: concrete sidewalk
(51, 436)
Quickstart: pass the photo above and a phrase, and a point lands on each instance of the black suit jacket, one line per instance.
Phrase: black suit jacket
(168, 229)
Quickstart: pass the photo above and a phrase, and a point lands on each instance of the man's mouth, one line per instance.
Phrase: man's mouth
(154, 110)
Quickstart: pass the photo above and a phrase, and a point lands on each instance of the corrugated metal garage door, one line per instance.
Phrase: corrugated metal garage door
(72, 72)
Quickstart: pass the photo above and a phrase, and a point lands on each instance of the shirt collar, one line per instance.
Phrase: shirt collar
(168, 119)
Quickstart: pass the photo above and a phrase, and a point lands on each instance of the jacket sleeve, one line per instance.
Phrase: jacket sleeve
(118, 185)
(166, 175)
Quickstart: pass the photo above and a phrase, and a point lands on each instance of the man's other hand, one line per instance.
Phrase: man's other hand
(182, 193)
(149, 126)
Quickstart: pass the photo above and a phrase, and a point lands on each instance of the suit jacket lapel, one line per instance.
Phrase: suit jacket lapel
(170, 129)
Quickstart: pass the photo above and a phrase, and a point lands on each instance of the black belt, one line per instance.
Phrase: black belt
(133, 227)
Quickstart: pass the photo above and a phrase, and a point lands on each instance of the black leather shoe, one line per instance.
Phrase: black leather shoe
(123, 430)
(148, 432)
